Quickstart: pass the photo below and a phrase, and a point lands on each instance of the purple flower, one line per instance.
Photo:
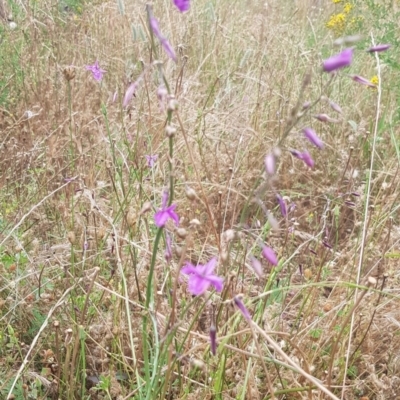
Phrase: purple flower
(313, 137)
(378, 48)
(324, 118)
(269, 255)
(305, 156)
(270, 164)
(164, 41)
(182, 5)
(362, 81)
(96, 71)
(282, 205)
(338, 61)
(239, 304)
(151, 160)
(202, 277)
(335, 107)
(213, 339)
(162, 216)
(257, 267)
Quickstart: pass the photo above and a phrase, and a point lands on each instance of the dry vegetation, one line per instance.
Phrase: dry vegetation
(90, 308)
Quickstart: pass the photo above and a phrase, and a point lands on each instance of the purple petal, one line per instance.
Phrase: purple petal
(164, 199)
(209, 267)
(282, 205)
(129, 93)
(216, 281)
(313, 137)
(189, 269)
(198, 285)
(335, 107)
(239, 304)
(379, 48)
(168, 49)
(155, 28)
(306, 157)
(161, 217)
(338, 61)
(362, 81)
(182, 5)
(270, 164)
(269, 255)
(172, 214)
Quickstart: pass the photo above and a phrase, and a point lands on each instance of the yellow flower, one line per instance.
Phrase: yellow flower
(337, 23)
(336, 1)
(375, 80)
(347, 8)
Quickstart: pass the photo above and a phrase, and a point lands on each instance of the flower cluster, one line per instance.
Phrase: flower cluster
(339, 22)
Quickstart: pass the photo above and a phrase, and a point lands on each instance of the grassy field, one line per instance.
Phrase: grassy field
(194, 204)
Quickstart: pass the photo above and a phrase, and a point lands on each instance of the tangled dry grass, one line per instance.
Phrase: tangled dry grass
(78, 198)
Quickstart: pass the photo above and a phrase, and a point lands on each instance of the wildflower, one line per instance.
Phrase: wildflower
(270, 164)
(239, 304)
(335, 107)
(347, 8)
(202, 277)
(337, 23)
(338, 61)
(324, 118)
(313, 137)
(336, 1)
(182, 5)
(256, 264)
(163, 40)
(213, 339)
(282, 205)
(96, 71)
(305, 156)
(306, 105)
(378, 48)
(131, 90)
(375, 80)
(151, 160)
(162, 216)
(269, 255)
(162, 95)
(168, 248)
(362, 81)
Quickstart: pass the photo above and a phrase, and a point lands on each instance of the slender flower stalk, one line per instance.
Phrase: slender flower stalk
(313, 137)
(338, 61)
(201, 277)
